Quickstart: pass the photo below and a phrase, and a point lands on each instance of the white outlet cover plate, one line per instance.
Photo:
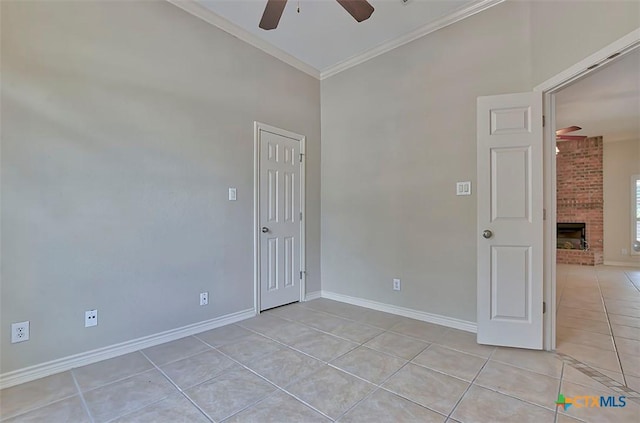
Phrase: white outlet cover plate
(396, 284)
(19, 332)
(204, 298)
(233, 194)
(90, 318)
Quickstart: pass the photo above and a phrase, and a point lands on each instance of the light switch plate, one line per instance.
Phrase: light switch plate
(232, 194)
(463, 188)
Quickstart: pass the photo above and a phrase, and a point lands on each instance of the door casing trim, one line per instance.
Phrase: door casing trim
(257, 128)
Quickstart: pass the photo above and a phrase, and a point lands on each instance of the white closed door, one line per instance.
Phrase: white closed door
(510, 220)
(279, 218)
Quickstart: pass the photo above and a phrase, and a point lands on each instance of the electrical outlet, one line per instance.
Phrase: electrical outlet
(396, 284)
(204, 298)
(19, 332)
(90, 318)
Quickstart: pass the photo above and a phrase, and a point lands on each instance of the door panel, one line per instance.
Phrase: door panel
(510, 242)
(510, 283)
(279, 219)
(510, 183)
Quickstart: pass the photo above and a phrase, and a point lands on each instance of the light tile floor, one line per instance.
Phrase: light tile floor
(318, 361)
(598, 319)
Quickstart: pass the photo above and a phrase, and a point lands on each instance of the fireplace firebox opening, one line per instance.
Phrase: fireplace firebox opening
(571, 236)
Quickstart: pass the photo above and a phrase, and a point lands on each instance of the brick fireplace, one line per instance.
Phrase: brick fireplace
(580, 197)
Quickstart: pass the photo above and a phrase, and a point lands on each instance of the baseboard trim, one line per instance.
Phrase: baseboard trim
(622, 263)
(28, 374)
(403, 311)
(313, 295)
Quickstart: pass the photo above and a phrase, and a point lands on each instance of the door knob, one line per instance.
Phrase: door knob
(265, 229)
(487, 233)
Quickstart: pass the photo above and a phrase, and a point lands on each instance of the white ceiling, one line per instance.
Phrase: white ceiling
(606, 102)
(323, 35)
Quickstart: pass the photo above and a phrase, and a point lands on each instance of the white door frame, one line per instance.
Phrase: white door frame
(549, 88)
(257, 127)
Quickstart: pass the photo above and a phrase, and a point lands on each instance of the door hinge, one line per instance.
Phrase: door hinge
(301, 157)
(544, 307)
(544, 121)
(544, 214)
(301, 273)
(300, 215)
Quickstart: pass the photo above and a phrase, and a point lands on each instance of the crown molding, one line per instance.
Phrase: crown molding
(199, 11)
(445, 21)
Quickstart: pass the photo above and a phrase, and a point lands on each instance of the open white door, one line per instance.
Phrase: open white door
(510, 220)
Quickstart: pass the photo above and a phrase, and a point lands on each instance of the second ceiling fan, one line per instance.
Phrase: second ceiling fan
(361, 10)
(561, 134)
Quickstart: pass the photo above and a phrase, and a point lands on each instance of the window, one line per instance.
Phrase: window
(635, 214)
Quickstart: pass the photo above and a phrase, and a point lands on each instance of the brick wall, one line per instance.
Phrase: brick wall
(580, 196)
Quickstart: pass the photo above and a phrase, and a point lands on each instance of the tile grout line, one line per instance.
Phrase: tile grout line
(306, 404)
(470, 385)
(613, 338)
(190, 355)
(626, 275)
(81, 395)
(324, 331)
(559, 391)
(111, 382)
(29, 410)
(297, 322)
(184, 394)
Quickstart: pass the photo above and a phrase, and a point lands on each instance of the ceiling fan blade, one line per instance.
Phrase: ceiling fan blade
(570, 137)
(272, 14)
(568, 129)
(361, 10)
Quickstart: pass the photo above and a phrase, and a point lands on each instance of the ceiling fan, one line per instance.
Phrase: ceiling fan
(561, 134)
(361, 10)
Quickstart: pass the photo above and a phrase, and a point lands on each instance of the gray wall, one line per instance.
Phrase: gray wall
(123, 125)
(621, 160)
(399, 130)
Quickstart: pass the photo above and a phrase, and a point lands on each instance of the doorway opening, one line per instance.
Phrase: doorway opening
(549, 89)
